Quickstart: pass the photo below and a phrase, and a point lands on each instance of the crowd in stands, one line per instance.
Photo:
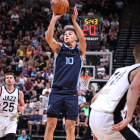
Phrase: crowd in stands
(25, 52)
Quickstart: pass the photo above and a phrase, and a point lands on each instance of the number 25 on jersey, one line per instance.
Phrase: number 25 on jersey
(69, 60)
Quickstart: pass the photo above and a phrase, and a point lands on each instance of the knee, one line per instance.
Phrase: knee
(50, 128)
(29, 122)
(70, 129)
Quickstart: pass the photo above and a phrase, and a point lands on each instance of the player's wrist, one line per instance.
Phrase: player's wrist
(128, 119)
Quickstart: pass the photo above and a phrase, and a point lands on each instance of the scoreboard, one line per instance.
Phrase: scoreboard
(91, 26)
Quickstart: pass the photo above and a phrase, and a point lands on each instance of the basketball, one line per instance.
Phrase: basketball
(59, 6)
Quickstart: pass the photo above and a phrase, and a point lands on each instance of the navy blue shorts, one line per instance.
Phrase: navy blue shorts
(69, 99)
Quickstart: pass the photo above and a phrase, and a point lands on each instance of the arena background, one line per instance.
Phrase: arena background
(25, 52)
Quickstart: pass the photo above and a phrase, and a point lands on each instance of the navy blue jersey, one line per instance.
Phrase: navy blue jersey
(67, 69)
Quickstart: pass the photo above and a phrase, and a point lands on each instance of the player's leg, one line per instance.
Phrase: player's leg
(51, 125)
(71, 103)
(96, 123)
(70, 129)
(54, 105)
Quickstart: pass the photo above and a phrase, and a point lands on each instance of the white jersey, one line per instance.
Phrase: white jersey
(9, 102)
(112, 99)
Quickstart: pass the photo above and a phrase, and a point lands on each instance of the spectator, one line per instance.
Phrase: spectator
(32, 103)
(1, 51)
(39, 32)
(112, 34)
(44, 74)
(47, 88)
(115, 24)
(109, 47)
(15, 16)
(39, 83)
(100, 70)
(18, 84)
(26, 73)
(29, 51)
(106, 23)
(43, 104)
(42, 63)
(119, 4)
(30, 63)
(33, 74)
(35, 120)
(49, 74)
(21, 64)
(20, 36)
(35, 41)
(82, 122)
(27, 34)
(21, 51)
(90, 13)
(11, 11)
(28, 86)
(69, 25)
(2, 76)
(28, 111)
(10, 27)
(22, 78)
(86, 109)
(103, 37)
(9, 69)
(23, 136)
(137, 120)
(46, 97)
(79, 6)
(50, 80)
(34, 96)
(81, 99)
(104, 49)
(40, 110)
(44, 117)
(10, 53)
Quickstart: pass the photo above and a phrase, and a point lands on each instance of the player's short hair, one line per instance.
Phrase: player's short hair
(71, 29)
(9, 73)
(136, 51)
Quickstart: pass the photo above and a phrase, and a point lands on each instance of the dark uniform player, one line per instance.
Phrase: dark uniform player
(68, 64)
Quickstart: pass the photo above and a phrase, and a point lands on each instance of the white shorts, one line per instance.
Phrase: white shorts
(101, 124)
(7, 125)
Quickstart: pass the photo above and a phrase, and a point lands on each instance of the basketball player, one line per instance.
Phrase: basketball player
(68, 63)
(10, 97)
(121, 93)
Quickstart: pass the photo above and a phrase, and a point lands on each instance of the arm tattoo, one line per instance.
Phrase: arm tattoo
(56, 43)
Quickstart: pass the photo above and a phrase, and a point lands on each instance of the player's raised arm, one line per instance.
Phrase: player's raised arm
(80, 34)
(49, 37)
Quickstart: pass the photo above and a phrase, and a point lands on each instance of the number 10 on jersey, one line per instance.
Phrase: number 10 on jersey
(69, 60)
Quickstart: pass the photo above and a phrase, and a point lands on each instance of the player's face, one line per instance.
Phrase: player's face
(69, 37)
(9, 80)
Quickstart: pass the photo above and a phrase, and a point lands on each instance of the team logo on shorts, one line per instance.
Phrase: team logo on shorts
(49, 106)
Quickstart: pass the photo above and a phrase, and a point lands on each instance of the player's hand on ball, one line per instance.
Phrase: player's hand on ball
(20, 108)
(75, 14)
(56, 17)
(121, 125)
